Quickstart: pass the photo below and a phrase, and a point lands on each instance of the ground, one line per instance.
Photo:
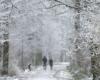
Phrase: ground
(59, 72)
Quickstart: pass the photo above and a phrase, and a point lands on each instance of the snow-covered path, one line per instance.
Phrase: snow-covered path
(58, 73)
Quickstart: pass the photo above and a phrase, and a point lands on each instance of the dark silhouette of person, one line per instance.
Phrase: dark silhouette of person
(51, 63)
(29, 67)
(44, 62)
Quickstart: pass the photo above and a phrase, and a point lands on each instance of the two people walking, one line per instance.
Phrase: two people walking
(45, 63)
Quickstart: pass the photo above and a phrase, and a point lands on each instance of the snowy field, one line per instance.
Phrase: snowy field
(59, 72)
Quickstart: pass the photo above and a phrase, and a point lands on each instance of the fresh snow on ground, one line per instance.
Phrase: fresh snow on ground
(59, 72)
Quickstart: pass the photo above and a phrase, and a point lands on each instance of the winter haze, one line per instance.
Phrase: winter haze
(66, 31)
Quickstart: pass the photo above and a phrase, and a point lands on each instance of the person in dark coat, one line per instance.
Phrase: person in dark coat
(44, 62)
(51, 63)
(29, 67)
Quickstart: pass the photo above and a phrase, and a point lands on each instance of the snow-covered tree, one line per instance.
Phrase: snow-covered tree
(84, 11)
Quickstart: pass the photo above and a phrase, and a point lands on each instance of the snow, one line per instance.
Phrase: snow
(59, 72)
(15, 79)
(34, 29)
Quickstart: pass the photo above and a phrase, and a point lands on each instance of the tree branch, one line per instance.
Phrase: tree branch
(65, 4)
(53, 6)
(12, 6)
(59, 3)
(72, 7)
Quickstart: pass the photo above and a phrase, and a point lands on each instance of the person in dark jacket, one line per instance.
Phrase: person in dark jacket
(44, 62)
(29, 67)
(51, 63)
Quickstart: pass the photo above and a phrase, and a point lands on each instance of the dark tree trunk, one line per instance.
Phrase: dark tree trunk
(77, 19)
(5, 58)
(4, 21)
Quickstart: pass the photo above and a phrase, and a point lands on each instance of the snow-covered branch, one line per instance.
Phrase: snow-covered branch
(59, 3)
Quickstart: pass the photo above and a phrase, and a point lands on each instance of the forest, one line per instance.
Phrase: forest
(49, 39)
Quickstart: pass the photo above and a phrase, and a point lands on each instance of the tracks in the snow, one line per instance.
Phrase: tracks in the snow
(58, 73)
(59, 77)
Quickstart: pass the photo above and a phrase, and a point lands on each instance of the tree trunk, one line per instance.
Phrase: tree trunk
(5, 55)
(77, 20)
(22, 56)
(5, 12)
(77, 32)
